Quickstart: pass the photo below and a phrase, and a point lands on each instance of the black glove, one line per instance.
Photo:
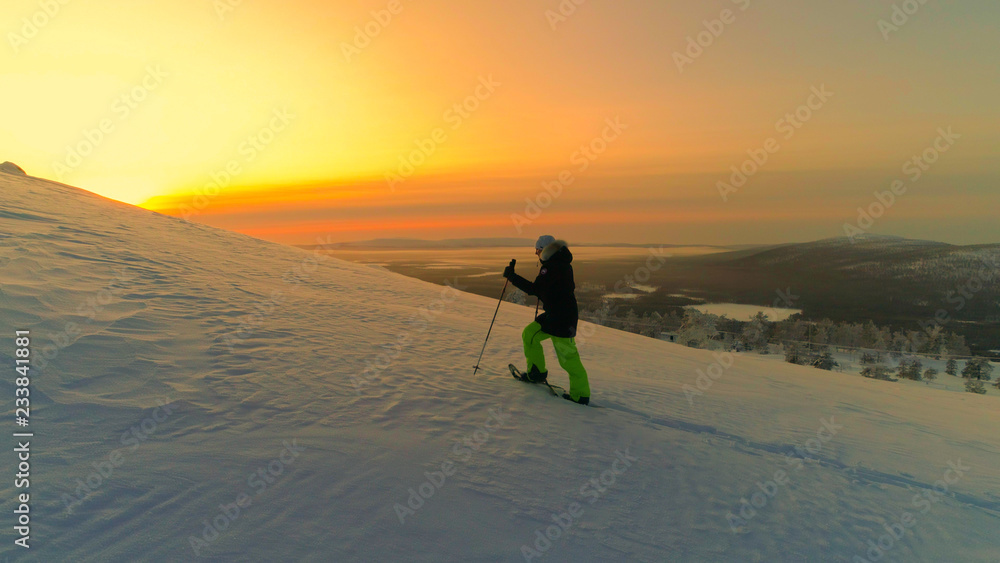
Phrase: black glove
(508, 272)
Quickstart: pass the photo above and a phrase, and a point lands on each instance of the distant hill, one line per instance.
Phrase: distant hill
(890, 280)
(408, 243)
(882, 256)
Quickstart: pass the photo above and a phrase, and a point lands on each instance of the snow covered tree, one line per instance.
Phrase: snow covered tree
(918, 342)
(673, 320)
(910, 368)
(728, 341)
(977, 368)
(951, 368)
(825, 361)
(794, 354)
(975, 386)
(899, 345)
(517, 297)
(987, 368)
(697, 329)
(652, 324)
(631, 322)
(756, 333)
(884, 341)
(849, 334)
(780, 330)
(868, 358)
(956, 345)
(600, 315)
(877, 372)
(821, 332)
(841, 334)
(799, 331)
(870, 336)
(857, 335)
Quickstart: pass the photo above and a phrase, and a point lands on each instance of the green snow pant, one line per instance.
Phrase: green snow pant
(566, 352)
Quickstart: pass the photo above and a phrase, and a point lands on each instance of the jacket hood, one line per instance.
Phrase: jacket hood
(557, 251)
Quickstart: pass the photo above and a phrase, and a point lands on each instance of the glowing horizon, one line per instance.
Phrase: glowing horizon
(390, 118)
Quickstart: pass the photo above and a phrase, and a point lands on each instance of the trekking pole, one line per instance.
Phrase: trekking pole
(506, 281)
(538, 300)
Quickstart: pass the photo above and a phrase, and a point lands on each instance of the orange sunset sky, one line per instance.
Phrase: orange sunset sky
(354, 120)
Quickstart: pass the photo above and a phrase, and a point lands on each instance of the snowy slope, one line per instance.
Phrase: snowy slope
(323, 396)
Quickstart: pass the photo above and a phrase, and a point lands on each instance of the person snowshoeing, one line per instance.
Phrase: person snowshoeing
(554, 287)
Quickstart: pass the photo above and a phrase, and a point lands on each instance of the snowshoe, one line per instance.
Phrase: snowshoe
(533, 376)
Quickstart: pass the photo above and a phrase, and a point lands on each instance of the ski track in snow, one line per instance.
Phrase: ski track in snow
(154, 300)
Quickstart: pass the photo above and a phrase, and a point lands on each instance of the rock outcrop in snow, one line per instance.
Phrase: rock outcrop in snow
(11, 168)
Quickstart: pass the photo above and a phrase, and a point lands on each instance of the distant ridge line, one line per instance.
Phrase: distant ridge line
(406, 243)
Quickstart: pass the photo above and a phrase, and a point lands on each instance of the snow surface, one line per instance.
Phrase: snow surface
(130, 309)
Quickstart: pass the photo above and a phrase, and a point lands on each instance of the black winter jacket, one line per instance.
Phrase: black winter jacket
(555, 288)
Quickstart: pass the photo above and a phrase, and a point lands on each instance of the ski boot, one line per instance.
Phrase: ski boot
(535, 376)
